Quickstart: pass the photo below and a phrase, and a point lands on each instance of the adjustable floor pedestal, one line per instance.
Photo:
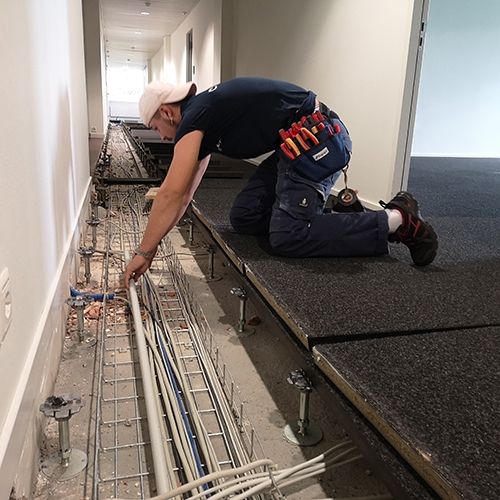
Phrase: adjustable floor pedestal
(242, 330)
(67, 462)
(302, 432)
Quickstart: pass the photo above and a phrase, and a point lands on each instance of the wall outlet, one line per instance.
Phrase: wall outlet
(5, 304)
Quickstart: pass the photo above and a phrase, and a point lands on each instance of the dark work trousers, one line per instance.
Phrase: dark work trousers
(280, 201)
(293, 216)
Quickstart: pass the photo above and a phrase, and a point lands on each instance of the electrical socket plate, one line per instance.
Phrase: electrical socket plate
(5, 304)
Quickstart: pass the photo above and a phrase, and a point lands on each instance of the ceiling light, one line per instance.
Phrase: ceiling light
(144, 13)
(138, 32)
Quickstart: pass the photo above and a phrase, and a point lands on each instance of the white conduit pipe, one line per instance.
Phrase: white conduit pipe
(241, 454)
(178, 435)
(294, 474)
(173, 415)
(313, 472)
(211, 477)
(159, 463)
(259, 477)
(264, 481)
(170, 468)
(202, 436)
(281, 476)
(174, 356)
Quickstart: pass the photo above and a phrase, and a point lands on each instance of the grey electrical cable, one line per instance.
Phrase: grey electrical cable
(300, 475)
(299, 472)
(163, 430)
(173, 415)
(341, 455)
(220, 397)
(176, 433)
(212, 374)
(265, 475)
(262, 483)
(327, 467)
(283, 475)
(209, 478)
(173, 412)
(201, 433)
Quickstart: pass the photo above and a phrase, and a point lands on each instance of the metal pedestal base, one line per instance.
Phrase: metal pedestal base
(211, 266)
(213, 278)
(83, 346)
(314, 435)
(88, 341)
(54, 469)
(247, 332)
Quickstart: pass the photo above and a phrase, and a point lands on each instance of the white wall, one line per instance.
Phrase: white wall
(169, 62)
(227, 48)
(205, 21)
(354, 54)
(160, 63)
(95, 69)
(44, 175)
(459, 100)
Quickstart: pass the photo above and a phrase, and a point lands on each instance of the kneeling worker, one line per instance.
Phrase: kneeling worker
(286, 196)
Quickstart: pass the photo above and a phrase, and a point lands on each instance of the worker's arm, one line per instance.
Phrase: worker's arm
(171, 201)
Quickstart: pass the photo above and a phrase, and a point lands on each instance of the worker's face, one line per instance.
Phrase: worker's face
(163, 122)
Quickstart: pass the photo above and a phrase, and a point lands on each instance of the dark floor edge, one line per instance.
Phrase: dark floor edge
(395, 334)
(358, 426)
(306, 340)
(418, 462)
(301, 342)
(209, 231)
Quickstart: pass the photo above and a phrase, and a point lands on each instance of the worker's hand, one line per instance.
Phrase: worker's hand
(137, 267)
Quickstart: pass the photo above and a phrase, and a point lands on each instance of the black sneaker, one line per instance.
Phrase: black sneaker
(415, 233)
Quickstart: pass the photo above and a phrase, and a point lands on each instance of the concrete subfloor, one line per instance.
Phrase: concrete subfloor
(259, 364)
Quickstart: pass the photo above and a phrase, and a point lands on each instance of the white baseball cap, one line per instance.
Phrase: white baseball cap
(158, 93)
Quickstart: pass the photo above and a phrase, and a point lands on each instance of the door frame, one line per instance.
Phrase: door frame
(410, 95)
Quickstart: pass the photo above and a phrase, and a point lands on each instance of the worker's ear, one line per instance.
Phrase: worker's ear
(166, 112)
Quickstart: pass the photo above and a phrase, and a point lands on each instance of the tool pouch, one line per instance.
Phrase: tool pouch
(300, 198)
(324, 159)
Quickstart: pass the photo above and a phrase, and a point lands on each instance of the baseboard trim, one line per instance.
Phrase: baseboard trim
(23, 422)
(467, 157)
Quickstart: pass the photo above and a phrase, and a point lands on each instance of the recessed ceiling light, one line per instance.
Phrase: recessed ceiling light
(138, 32)
(144, 13)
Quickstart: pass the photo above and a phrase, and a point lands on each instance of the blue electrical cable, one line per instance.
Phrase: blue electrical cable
(185, 419)
(99, 297)
(173, 383)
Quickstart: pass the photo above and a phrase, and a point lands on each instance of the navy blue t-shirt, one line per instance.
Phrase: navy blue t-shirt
(241, 118)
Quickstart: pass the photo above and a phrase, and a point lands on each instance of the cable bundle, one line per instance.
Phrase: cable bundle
(232, 481)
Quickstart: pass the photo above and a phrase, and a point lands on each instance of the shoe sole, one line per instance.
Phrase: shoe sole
(431, 253)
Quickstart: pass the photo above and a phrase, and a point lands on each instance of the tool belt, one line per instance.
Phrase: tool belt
(316, 146)
(313, 151)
